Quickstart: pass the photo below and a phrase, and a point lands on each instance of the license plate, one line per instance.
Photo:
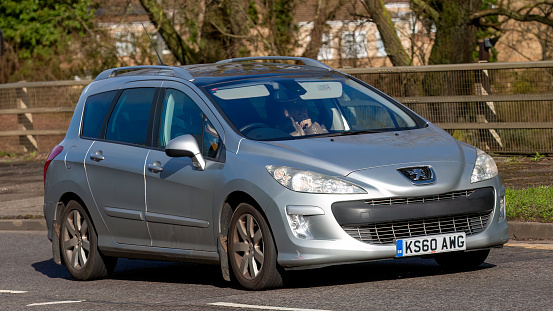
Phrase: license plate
(431, 244)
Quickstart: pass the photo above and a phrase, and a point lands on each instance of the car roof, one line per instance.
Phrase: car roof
(221, 72)
(231, 69)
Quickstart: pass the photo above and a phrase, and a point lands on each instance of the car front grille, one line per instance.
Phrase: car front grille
(387, 232)
(423, 199)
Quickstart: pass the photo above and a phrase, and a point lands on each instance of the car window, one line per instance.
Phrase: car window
(95, 110)
(128, 122)
(211, 141)
(182, 116)
(287, 107)
(365, 109)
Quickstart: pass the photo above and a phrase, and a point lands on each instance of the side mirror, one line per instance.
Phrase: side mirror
(186, 146)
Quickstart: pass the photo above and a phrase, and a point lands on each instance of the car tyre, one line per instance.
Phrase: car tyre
(252, 251)
(79, 246)
(464, 260)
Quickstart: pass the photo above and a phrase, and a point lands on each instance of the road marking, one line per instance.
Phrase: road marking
(243, 306)
(530, 245)
(54, 303)
(7, 291)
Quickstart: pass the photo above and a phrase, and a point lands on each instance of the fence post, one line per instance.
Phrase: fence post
(25, 122)
(483, 88)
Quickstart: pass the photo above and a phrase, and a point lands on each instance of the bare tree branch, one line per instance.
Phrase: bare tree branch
(223, 32)
(182, 52)
(513, 15)
(424, 7)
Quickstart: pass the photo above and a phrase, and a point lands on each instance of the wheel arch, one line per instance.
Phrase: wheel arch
(60, 209)
(231, 202)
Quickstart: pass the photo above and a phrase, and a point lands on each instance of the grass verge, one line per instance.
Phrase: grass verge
(530, 204)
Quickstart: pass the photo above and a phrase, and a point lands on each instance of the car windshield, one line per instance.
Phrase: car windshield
(291, 107)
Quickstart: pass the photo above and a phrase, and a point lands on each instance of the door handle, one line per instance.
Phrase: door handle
(155, 167)
(97, 156)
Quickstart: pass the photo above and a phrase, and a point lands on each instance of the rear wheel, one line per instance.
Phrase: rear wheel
(252, 252)
(79, 246)
(465, 260)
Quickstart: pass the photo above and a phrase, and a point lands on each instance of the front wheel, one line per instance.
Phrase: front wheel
(464, 260)
(79, 246)
(252, 252)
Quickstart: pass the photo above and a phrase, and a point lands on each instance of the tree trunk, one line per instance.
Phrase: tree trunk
(314, 45)
(325, 12)
(182, 52)
(455, 32)
(392, 44)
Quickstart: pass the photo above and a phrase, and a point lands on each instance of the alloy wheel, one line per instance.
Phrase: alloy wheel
(248, 246)
(76, 242)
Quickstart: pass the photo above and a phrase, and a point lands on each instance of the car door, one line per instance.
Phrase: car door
(115, 164)
(179, 197)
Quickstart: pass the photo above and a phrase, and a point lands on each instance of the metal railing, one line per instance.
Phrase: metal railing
(498, 107)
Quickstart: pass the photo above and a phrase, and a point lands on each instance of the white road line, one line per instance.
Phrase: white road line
(54, 303)
(7, 291)
(243, 306)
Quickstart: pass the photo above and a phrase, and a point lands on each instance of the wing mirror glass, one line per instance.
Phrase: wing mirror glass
(186, 146)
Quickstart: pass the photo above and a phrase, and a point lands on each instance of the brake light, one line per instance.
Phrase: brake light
(54, 153)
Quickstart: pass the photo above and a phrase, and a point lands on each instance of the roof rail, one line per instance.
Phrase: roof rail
(162, 71)
(307, 61)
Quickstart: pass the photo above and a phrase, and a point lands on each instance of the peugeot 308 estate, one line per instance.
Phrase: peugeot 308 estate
(262, 167)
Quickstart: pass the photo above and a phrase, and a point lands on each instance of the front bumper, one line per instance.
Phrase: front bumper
(345, 247)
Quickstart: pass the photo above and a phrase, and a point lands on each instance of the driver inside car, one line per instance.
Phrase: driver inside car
(296, 119)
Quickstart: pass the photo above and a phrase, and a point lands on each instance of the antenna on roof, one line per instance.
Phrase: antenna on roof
(152, 42)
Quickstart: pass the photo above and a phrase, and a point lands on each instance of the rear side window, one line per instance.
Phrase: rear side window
(129, 120)
(95, 111)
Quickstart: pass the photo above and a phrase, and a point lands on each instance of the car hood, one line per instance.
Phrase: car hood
(344, 155)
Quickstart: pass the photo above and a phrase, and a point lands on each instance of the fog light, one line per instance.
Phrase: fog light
(502, 209)
(299, 227)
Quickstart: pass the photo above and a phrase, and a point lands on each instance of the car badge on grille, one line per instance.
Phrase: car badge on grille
(421, 175)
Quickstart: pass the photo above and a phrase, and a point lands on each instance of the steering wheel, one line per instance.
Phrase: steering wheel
(252, 126)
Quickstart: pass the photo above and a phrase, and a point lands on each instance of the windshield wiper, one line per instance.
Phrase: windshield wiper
(351, 132)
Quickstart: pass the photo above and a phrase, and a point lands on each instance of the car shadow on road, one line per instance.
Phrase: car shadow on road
(189, 273)
(52, 270)
(147, 271)
(372, 272)
(169, 272)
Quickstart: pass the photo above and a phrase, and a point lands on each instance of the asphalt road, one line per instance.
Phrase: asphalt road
(513, 278)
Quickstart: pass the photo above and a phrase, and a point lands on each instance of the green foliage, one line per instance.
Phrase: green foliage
(253, 13)
(537, 157)
(40, 37)
(35, 26)
(514, 159)
(280, 19)
(531, 204)
(5, 154)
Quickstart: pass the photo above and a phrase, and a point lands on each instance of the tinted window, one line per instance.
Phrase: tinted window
(95, 111)
(182, 116)
(129, 120)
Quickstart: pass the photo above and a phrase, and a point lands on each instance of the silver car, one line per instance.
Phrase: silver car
(262, 167)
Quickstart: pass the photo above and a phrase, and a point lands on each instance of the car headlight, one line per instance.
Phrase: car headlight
(311, 182)
(484, 167)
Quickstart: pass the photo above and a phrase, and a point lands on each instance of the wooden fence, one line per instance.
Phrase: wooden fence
(499, 107)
